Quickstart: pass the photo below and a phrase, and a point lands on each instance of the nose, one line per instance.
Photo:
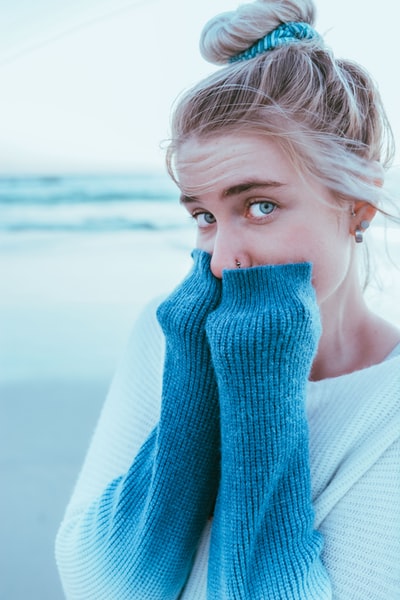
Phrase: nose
(226, 254)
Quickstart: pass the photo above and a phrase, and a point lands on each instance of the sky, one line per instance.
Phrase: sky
(87, 85)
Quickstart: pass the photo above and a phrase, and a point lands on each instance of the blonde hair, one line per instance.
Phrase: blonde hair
(326, 113)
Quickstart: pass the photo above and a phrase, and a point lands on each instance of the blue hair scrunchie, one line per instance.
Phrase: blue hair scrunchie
(284, 34)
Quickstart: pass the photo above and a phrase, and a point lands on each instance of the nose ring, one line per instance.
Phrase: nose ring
(238, 264)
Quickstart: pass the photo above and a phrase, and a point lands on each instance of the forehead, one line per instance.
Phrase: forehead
(221, 161)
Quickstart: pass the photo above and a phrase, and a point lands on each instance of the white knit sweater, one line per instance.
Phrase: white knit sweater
(354, 423)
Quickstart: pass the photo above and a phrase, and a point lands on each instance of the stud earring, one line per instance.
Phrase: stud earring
(238, 264)
(364, 224)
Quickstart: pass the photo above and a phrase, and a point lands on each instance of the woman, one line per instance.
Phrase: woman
(257, 455)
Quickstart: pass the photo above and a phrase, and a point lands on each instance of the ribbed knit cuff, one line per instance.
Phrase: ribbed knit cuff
(183, 314)
(279, 282)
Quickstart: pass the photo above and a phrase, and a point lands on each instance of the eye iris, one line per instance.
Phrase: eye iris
(266, 207)
(208, 217)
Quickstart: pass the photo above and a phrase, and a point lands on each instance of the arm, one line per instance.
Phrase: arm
(137, 539)
(263, 338)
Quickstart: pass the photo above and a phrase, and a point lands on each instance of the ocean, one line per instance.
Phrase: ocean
(100, 203)
(89, 203)
(80, 256)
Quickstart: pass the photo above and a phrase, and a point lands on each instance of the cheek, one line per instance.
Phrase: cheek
(283, 246)
(205, 241)
(329, 254)
(331, 263)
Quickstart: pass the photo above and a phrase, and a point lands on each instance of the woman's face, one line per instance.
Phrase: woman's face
(251, 206)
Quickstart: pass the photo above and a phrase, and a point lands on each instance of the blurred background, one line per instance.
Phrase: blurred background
(90, 227)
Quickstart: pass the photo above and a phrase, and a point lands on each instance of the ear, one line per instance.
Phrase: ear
(361, 211)
(362, 215)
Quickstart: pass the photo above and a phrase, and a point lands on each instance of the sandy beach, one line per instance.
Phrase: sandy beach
(67, 304)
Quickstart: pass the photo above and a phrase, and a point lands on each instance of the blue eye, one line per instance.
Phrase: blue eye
(261, 209)
(204, 219)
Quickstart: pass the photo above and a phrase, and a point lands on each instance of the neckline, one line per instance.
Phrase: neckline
(395, 353)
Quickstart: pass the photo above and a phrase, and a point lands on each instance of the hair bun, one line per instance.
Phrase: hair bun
(230, 33)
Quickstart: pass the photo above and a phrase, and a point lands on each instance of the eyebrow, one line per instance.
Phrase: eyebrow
(236, 189)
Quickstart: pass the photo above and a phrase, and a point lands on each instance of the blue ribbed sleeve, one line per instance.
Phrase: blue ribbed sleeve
(263, 337)
(138, 539)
